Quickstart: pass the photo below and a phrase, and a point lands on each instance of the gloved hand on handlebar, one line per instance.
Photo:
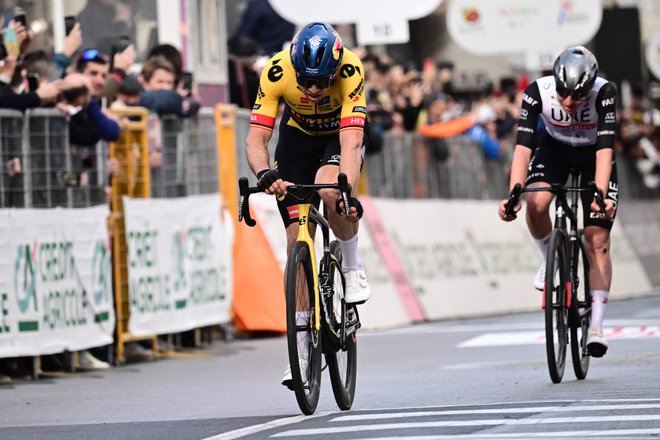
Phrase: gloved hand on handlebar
(271, 183)
(356, 211)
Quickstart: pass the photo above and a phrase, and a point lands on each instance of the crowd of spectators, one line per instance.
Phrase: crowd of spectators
(84, 82)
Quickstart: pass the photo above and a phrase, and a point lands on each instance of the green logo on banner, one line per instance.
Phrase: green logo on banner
(24, 278)
(101, 270)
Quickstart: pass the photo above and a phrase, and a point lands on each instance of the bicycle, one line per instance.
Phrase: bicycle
(330, 325)
(566, 295)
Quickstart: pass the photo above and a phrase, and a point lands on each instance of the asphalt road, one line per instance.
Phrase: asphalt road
(471, 379)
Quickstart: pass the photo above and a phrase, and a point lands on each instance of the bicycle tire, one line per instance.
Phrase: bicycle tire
(300, 297)
(556, 310)
(580, 315)
(342, 364)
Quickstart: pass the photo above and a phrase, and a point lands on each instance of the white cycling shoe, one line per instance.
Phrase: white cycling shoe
(539, 279)
(358, 290)
(596, 343)
(287, 379)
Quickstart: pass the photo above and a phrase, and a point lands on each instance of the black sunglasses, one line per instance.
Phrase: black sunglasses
(577, 95)
(321, 82)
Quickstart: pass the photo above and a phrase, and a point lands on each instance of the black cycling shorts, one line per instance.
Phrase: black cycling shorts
(552, 162)
(298, 156)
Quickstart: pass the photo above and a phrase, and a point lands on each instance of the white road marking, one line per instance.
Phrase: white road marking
(455, 423)
(560, 434)
(238, 433)
(522, 410)
(537, 337)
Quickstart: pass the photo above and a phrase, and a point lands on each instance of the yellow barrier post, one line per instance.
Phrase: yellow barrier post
(131, 177)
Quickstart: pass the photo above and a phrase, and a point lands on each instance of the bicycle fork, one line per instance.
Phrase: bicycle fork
(304, 236)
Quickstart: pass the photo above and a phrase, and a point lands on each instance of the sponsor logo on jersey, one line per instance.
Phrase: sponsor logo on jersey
(608, 101)
(357, 91)
(610, 117)
(605, 133)
(359, 109)
(256, 107)
(304, 100)
(325, 100)
(523, 114)
(334, 159)
(293, 211)
(529, 100)
(525, 129)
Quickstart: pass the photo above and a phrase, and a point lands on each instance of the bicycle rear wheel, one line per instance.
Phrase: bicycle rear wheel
(342, 364)
(303, 340)
(556, 310)
(580, 313)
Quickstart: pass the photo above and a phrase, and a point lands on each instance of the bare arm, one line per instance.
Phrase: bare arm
(604, 158)
(256, 149)
(521, 157)
(351, 155)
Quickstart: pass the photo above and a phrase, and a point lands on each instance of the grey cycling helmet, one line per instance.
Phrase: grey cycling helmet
(575, 71)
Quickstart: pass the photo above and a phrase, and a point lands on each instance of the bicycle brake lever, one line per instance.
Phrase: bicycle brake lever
(243, 202)
(513, 201)
(598, 195)
(345, 189)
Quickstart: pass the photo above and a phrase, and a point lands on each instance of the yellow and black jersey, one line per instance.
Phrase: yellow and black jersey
(344, 106)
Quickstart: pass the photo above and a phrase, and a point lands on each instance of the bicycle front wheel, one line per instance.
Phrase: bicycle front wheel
(342, 364)
(580, 309)
(556, 310)
(303, 340)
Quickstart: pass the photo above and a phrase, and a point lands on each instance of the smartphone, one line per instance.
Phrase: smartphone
(21, 17)
(33, 81)
(69, 23)
(10, 41)
(187, 80)
(3, 49)
(122, 43)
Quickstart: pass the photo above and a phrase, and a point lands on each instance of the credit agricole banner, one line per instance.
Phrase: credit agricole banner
(56, 286)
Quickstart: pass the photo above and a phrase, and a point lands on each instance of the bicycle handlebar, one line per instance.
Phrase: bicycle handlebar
(245, 190)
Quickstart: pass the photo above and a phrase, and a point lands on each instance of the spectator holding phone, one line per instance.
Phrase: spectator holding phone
(158, 80)
(71, 43)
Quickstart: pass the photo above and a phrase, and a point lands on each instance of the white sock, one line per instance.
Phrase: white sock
(302, 318)
(349, 253)
(598, 307)
(542, 243)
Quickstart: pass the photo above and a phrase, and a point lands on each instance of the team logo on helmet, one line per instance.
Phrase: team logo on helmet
(336, 49)
(315, 42)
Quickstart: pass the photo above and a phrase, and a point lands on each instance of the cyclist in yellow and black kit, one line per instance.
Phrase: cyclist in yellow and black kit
(321, 133)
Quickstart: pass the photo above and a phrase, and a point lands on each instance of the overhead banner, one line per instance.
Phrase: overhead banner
(56, 288)
(179, 263)
(493, 27)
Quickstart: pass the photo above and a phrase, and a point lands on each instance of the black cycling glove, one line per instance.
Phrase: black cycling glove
(266, 178)
(353, 202)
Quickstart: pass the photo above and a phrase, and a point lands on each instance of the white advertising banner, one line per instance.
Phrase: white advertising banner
(493, 27)
(463, 261)
(56, 291)
(179, 263)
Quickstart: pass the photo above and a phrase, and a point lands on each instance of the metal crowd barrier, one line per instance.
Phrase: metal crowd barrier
(188, 162)
(41, 169)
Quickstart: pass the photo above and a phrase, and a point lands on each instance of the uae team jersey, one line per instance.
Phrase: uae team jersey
(593, 124)
(343, 107)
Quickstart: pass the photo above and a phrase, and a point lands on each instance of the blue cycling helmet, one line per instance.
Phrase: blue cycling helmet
(575, 71)
(316, 53)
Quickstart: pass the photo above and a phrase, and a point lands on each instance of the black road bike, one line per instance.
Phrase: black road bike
(317, 298)
(566, 296)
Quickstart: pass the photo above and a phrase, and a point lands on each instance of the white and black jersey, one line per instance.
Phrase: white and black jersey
(592, 125)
